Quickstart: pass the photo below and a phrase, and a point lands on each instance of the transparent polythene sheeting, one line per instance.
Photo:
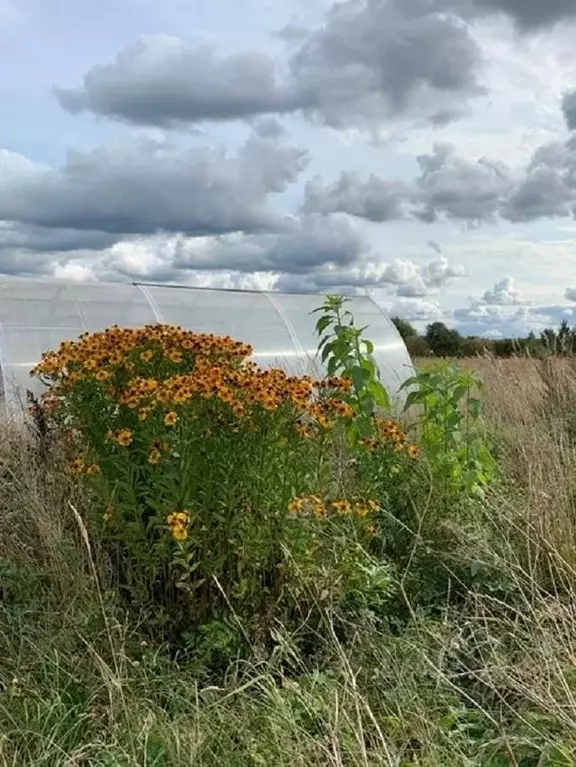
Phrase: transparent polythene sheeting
(36, 315)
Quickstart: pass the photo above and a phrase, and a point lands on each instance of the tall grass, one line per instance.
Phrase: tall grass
(484, 676)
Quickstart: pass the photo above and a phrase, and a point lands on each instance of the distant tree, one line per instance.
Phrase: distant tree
(472, 346)
(405, 329)
(564, 338)
(549, 340)
(417, 347)
(443, 341)
(504, 347)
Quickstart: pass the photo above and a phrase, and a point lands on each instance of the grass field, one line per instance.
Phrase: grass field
(475, 664)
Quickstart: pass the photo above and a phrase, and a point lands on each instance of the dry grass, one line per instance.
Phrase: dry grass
(490, 684)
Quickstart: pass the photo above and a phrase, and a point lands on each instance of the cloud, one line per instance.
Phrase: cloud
(504, 293)
(375, 199)
(483, 320)
(164, 81)
(548, 186)
(569, 109)
(403, 277)
(145, 185)
(448, 186)
(417, 310)
(368, 61)
(304, 245)
(36, 239)
(452, 186)
(570, 294)
(371, 60)
(530, 15)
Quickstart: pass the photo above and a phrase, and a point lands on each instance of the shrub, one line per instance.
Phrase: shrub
(450, 428)
(212, 483)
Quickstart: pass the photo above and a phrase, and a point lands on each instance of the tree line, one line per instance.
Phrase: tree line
(439, 340)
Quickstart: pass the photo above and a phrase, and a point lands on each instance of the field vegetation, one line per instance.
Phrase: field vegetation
(205, 563)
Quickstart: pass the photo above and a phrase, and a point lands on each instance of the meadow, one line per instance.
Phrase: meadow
(238, 569)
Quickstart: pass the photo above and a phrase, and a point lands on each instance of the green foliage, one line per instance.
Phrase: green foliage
(443, 341)
(331, 604)
(347, 353)
(405, 329)
(450, 428)
(211, 484)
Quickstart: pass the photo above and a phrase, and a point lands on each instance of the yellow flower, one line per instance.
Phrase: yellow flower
(413, 452)
(124, 437)
(147, 356)
(179, 533)
(178, 523)
(170, 419)
(77, 466)
(155, 457)
(108, 513)
(175, 356)
(93, 469)
(341, 507)
(103, 375)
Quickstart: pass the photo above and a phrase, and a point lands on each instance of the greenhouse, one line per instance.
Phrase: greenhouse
(36, 315)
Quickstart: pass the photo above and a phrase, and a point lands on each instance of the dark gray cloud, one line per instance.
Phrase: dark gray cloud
(368, 61)
(570, 294)
(530, 15)
(374, 199)
(548, 187)
(145, 185)
(448, 186)
(36, 239)
(455, 188)
(161, 80)
(569, 109)
(459, 189)
(304, 244)
(374, 59)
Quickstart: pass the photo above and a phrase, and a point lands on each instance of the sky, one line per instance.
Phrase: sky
(420, 151)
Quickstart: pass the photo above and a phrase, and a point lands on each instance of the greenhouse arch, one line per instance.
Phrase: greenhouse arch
(37, 315)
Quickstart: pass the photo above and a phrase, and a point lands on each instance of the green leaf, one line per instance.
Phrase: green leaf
(413, 398)
(359, 377)
(323, 323)
(369, 346)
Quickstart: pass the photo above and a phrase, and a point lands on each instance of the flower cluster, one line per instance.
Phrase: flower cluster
(161, 368)
(389, 433)
(314, 505)
(178, 523)
(117, 348)
(81, 465)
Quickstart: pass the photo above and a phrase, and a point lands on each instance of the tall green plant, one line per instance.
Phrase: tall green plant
(450, 421)
(347, 353)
